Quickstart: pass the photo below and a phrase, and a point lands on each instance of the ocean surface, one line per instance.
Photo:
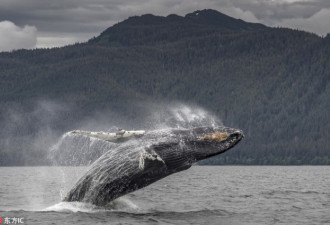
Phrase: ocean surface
(201, 195)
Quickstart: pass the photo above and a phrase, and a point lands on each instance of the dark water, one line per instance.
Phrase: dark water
(200, 195)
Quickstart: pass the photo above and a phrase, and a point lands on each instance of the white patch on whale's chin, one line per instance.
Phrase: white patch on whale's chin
(148, 160)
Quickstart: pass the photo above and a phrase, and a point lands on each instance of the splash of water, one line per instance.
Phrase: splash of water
(120, 204)
(180, 116)
(78, 150)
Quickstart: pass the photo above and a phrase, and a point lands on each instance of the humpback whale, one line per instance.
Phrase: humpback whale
(146, 158)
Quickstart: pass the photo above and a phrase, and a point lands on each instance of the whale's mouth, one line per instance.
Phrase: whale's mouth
(235, 137)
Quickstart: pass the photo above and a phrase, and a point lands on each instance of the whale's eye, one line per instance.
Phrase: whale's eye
(217, 136)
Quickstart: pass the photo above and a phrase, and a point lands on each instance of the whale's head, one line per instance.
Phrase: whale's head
(205, 142)
(191, 145)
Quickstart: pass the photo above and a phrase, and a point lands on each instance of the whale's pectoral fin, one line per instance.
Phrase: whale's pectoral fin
(151, 160)
(121, 136)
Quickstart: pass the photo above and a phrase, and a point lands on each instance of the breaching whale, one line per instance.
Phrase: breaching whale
(149, 157)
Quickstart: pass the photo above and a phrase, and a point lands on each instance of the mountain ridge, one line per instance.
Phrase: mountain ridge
(209, 21)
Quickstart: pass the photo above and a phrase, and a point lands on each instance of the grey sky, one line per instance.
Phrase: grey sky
(46, 23)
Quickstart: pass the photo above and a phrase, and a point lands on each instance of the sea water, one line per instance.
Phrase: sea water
(200, 195)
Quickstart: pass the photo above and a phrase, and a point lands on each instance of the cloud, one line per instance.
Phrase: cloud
(14, 37)
(277, 10)
(313, 24)
(308, 15)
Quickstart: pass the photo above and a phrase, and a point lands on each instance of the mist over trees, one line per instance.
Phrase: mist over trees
(273, 83)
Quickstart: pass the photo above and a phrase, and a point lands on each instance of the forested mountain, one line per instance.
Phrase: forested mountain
(273, 83)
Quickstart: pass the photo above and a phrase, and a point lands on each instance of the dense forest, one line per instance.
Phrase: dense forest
(273, 83)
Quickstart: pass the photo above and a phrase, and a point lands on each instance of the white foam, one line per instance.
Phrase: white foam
(120, 204)
(72, 207)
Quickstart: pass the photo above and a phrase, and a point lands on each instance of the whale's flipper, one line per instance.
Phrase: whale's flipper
(122, 135)
(150, 161)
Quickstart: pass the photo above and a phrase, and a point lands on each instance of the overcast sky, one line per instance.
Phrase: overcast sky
(49, 23)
